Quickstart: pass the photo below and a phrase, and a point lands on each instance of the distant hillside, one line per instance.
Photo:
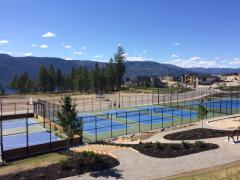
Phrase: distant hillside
(10, 66)
(216, 71)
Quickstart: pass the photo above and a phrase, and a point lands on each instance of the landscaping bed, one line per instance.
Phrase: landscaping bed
(198, 133)
(79, 163)
(171, 150)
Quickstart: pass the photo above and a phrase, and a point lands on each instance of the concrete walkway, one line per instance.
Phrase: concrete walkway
(134, 165)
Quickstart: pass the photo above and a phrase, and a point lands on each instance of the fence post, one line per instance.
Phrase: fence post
(50, 144)
(126, 122)
(95, 128)
(162, 117)
(111, 127)
(27, 130)
(15, 109)
(92, 104)
(151, 119)
(83, 105)
(1, 133)
(44, 115)
(139, 128)
(129, 98)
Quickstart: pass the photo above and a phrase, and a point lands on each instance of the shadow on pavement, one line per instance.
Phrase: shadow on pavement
(115, 173)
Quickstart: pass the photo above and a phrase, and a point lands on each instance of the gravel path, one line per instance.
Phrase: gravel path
(134, 165)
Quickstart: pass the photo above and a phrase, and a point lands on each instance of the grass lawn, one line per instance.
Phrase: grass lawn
(30, 163)
(229, 171)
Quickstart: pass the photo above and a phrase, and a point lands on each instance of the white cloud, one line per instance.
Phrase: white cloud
(176, 43)
(138, 58)
(68, 46)
(3, 42)
(145, 51)
(174, 56)
(79, 52)
(6, 52)
(34, 45)
(99, 56)
(84, 48)
(28, 54)
(44, 46)
(48, 35)
(235, 61)
(196, 62)
(67, 59)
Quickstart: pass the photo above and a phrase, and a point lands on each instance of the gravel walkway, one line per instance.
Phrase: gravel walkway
(134, 165)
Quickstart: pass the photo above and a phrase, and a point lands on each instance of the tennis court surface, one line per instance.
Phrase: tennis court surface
(15, 136)
(101, 124)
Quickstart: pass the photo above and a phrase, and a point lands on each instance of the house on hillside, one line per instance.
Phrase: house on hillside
(234, 77)
(194, 79)
(207, 79)
(189, 79)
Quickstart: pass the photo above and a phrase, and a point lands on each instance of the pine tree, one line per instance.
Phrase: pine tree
(110, 75)
(96, 78)
(119, 59)
(59, 80)
(13, 84)
(52, 78)
(86, 79)
(68, 118)
(43, 79)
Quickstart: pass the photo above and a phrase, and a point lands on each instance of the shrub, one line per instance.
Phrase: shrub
(176, 147)
(65, 164)
(148, 145)
(186, 145)
(200, 144)
(90, 154)
(159, 145)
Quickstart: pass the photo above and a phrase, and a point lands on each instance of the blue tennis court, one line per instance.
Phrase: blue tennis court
(217, 104)
(147, 119)
(17, 123)
(14, 137)
(177, 112)
(20, 140)
(93, 125)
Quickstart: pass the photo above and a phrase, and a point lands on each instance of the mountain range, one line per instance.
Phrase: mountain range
(10, 66)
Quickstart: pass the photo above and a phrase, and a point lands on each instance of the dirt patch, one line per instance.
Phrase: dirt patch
(230, 123)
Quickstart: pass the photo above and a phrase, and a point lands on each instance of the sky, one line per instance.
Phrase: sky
(187, 33)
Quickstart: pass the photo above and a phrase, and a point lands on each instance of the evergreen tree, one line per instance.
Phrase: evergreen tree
(13, 84)
(1, 89)
(23, 83)
(43, 79)
(119, 59)
(59, 80)
(86, 79)
(52, 78)
(110, 75)
(96, 78)
(68, 118)
(70, 79)
(79, 79)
